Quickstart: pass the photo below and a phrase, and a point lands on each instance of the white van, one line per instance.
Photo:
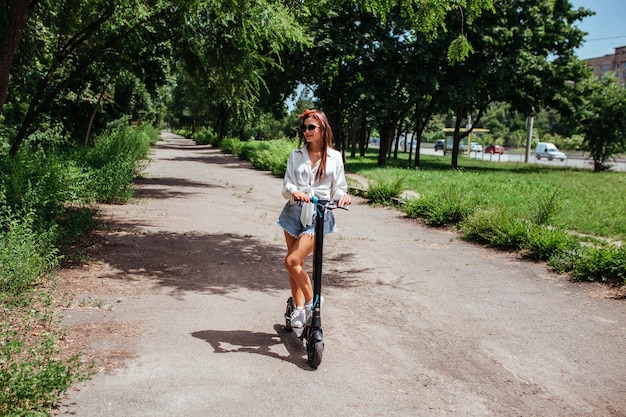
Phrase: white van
(549, 151)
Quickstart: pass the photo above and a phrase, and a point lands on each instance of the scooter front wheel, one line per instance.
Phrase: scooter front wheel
(315, 349)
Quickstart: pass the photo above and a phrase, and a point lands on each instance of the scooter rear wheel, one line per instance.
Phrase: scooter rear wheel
(288, 311)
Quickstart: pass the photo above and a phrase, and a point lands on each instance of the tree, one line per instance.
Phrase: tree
(524, 56)
(225, 49)
(359, 65)
(429, 18)
(602, 119)
(70, 51)
(107, 58)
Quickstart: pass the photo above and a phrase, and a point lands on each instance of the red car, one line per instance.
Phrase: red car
(494, 149)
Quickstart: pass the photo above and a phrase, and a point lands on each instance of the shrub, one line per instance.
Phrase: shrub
(114, 160)
(40, 183)
(384, 190)
(606, 264)
(75, 221)
(494, 227)
(119, 141)
(544, 207)
(41, 192)
(186, 133)
(31, 373)
(26, 257)
(152, 132)
(498, 228)
(271, 155)
(561, 249)
(248, 149)
(542, 243)
(206, 136)
(232, 146)
(445, 206)
(113, 182)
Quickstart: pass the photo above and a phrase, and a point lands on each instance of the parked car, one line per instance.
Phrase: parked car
(476, 147)
(549, 151)
(494, 149)
(439, 145)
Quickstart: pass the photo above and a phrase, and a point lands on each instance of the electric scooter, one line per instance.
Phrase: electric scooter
(312, 329)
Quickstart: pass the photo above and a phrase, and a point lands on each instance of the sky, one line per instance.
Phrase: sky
(606, 30)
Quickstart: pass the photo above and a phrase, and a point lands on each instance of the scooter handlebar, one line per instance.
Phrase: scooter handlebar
(328, 204)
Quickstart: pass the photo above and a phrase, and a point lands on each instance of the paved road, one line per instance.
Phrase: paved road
(416, 322)
(572, 161)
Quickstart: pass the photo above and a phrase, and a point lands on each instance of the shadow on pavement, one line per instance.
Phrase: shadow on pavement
(212, 263)
(160, 188)
(213, 156)
(245, 341)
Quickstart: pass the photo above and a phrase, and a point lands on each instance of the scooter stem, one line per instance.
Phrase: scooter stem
(316, 319)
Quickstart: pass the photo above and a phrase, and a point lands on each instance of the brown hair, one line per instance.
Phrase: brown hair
(327, 136)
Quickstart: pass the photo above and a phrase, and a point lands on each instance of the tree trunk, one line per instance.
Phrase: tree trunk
(18, 16)
(461, 112)
(385, 129)
(93, 113)
(363, 134)
(397, 134)
(454, 164)
(221, 125)
(417, 142)
(335, 119)
(421, 121)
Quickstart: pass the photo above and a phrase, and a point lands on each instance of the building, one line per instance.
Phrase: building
(615, 63)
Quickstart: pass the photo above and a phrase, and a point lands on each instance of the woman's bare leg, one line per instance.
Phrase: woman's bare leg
(296, 292)
(297, 251)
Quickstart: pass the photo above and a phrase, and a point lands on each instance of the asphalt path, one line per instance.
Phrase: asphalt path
(416, 322)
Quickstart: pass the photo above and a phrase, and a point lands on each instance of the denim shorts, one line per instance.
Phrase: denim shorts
(289, 220)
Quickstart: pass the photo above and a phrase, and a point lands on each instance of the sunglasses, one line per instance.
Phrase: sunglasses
(310, 128)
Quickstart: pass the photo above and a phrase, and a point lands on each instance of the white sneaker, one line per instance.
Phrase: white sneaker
(308, 308)
(297, 317)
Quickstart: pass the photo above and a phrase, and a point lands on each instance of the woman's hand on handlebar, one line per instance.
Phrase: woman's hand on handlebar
(300, 196)
(344, 200)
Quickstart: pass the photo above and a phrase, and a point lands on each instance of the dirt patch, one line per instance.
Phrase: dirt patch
(84, 293)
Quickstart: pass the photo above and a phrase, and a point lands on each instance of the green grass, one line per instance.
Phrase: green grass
(584, 202)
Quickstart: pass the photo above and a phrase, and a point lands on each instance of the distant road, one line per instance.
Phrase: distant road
(575, 161)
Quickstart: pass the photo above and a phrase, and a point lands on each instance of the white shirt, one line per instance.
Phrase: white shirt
(300, 176)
